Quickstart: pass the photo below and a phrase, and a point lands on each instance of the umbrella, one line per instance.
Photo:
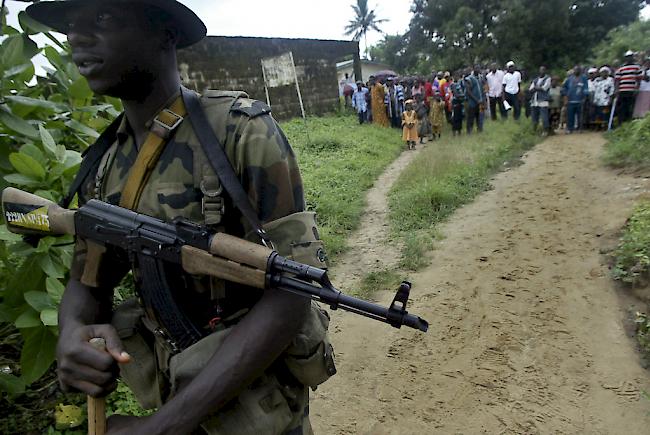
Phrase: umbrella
(386, 73)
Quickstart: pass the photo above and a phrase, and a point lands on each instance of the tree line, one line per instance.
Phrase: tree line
(449, 34)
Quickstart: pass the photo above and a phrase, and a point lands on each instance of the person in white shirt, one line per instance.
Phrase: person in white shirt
(539, 89)
(511, 81)
(495, 91)
(603, 91)
(360, 102)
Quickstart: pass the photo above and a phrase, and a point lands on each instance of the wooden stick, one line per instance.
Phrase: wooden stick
(97, 406)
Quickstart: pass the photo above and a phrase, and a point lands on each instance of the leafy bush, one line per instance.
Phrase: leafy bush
(629, 145)
(45, 122)
(634, 36)
(633, 253)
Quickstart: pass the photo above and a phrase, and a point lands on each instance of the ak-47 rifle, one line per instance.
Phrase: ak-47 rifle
(152, 242)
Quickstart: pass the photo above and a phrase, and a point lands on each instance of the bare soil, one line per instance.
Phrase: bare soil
(527, 329)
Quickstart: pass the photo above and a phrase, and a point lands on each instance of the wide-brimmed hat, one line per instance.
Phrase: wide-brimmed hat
(629, 53)
(54, 14)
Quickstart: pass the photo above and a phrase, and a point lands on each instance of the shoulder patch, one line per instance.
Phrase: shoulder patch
(216, 93)
(250, 108)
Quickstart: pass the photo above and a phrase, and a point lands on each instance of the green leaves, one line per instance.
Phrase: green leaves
(11, 51)
(81, 128)
(38, 353)
(18, 125)
(79, 89)
(39, 300)
(11, 384)
(52, 266)
(633, 252)
(54, 288)
(27, 165)
(44, 124)
(48, 143)
(37, 103)
(28, 319)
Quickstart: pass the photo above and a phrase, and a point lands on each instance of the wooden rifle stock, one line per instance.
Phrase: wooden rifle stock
(197, 250)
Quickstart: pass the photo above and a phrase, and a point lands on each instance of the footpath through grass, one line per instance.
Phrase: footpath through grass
(448, 174)
(340, 160)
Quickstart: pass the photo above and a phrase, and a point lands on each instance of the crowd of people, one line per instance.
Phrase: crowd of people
(586, 98)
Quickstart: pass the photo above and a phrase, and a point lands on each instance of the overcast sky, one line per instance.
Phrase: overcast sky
(288, 18)
(285, 18)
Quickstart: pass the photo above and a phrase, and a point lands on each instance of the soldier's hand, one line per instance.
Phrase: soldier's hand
(84, 368)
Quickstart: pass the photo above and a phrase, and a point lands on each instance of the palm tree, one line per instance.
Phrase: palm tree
(364, 21)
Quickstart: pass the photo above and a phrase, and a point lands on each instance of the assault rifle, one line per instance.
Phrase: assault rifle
(152, 243)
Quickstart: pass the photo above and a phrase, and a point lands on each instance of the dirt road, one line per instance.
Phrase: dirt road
(526, 326)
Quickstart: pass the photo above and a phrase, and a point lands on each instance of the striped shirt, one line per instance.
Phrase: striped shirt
(628, 77)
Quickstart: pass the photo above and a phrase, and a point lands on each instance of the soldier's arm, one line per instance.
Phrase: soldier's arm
(272, 179)
(84, 314)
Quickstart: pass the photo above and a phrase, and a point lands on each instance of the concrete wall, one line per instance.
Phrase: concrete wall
(233, 63)
(367, 69)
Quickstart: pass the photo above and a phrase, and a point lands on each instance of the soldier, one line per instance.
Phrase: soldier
(236, 379)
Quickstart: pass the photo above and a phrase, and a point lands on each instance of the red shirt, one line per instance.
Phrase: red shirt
(428, 92)
(444, 92)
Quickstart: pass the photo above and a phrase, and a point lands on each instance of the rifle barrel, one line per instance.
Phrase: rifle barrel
(336, 299)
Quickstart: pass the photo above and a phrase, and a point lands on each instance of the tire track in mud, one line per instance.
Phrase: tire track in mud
(526, 326)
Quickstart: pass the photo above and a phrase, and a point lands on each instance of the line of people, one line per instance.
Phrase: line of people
(469, 96)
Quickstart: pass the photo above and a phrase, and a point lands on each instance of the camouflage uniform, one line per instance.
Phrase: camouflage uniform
(183, 184)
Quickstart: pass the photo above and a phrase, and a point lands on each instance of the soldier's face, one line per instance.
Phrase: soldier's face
(115, 48)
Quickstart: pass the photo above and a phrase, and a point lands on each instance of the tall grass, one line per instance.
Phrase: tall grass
(629, 145)
(340, 160)
(633, 252)
(448, 174)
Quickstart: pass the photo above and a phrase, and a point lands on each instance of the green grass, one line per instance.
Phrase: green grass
(446, 175)
(378, 281)
(629, 146)
(340, 160)
(632, 256)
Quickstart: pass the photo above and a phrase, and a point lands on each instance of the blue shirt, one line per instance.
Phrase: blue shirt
(474, 86)
(576, 89)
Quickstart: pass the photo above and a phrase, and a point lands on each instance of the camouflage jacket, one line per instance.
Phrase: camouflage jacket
(183, 184)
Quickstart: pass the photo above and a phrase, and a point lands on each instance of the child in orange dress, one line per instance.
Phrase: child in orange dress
(409, 125)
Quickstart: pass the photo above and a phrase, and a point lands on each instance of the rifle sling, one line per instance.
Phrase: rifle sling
(218, 159)
(162, 127)
(92, 157)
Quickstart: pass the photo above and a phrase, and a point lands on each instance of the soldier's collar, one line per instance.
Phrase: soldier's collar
(124, 130)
